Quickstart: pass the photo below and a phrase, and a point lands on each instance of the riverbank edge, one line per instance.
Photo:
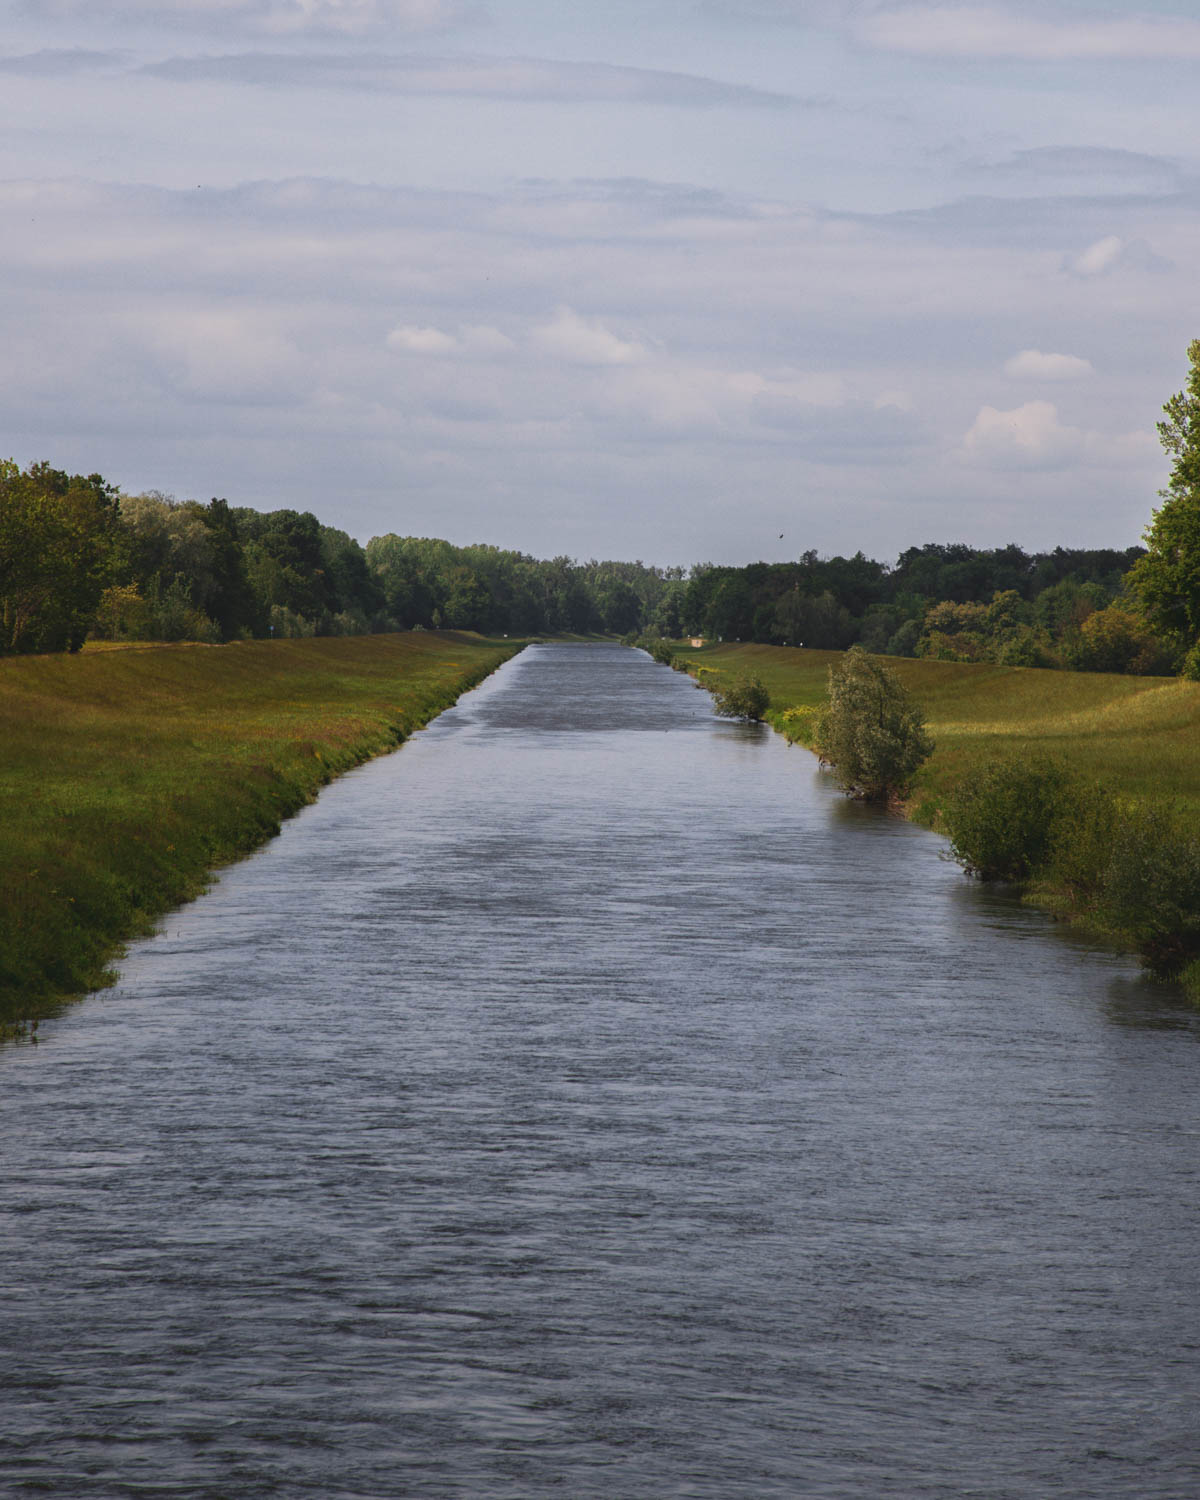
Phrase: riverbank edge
(223, 821)
(796, 726)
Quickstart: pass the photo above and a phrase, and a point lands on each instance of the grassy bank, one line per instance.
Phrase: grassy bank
(1140, 736)
(127, 776)
(1084, 788)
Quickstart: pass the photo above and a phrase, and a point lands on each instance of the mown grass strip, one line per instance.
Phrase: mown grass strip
(127, 777)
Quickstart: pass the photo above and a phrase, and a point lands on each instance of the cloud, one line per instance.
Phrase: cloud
(224, 355)
(584, 341)
(272, 17)
(1033, 437)
(56, 62)
(1086, 169)
(541, 79)
(472, 339)
(165, 337)
(1030, 436)
(1110, 252)
(986, 31)
(409, 340)
(1032, 364)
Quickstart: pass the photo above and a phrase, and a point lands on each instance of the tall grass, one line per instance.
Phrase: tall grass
(126, 776)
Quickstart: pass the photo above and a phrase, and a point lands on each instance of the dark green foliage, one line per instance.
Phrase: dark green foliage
(1167, 578)
(1151, 888)
(1001, 817)
(829, 603)
(1131, 869)
(58, 535)
(744, 698)
(77, 557)
(870, 731)
(490, 589)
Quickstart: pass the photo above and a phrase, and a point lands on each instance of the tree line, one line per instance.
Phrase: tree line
(78, 558)
(1071, 607)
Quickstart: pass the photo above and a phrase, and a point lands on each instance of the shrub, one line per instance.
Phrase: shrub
(1082, 842)
(1026, 647)
(1152, 889)
(870, 731)
(654, 646)
(1001, 817)
(745, 698)
(798, 723)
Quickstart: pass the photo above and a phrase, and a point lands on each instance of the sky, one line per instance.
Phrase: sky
(677, 280)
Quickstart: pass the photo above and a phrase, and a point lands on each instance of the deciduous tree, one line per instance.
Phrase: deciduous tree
(1167, 578)
(870, 731)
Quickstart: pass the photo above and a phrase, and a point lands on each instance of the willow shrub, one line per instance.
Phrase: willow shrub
(870, 730)
(744, 698)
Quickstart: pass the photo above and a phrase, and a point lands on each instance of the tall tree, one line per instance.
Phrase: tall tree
(57, 551)
(1167, 578)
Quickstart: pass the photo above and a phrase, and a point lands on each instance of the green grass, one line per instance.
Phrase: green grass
(1139, 736)
(127, 776)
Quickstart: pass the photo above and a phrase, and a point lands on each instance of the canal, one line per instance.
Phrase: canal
(588, 1100)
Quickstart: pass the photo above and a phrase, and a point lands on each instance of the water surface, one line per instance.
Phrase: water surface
(587, 1100)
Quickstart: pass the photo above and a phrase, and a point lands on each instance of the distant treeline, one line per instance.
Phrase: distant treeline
(79, 559)
(1066, 608)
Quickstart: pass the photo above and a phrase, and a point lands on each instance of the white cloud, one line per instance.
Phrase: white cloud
(1033, 437)
(1032, 364)
(483, 339)
(584, 341)
(410, 340)
(762, 356)
(986, 31)
(477, 339)
(1099, 257)
(1029, 436)
(210, 354)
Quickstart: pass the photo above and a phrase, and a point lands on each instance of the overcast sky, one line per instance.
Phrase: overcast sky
(618, 278)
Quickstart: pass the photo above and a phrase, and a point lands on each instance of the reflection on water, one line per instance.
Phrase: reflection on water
(587, 1100)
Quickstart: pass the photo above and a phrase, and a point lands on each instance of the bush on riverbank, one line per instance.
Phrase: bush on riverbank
(1130, 870)
(654, 645)
(1125, 742)
(127, 775)
(1002, 816)
(743, 698)
(870, 731)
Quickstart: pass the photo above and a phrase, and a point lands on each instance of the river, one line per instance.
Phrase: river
(587, 1100)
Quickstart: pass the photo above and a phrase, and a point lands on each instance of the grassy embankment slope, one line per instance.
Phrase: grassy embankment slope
(1140, 736)
(127, 776)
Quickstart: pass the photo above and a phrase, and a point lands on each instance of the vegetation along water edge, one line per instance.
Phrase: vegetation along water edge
(128, 775)
(1082, 788)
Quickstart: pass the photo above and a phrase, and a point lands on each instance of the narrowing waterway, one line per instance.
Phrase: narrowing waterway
(587, 1100)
